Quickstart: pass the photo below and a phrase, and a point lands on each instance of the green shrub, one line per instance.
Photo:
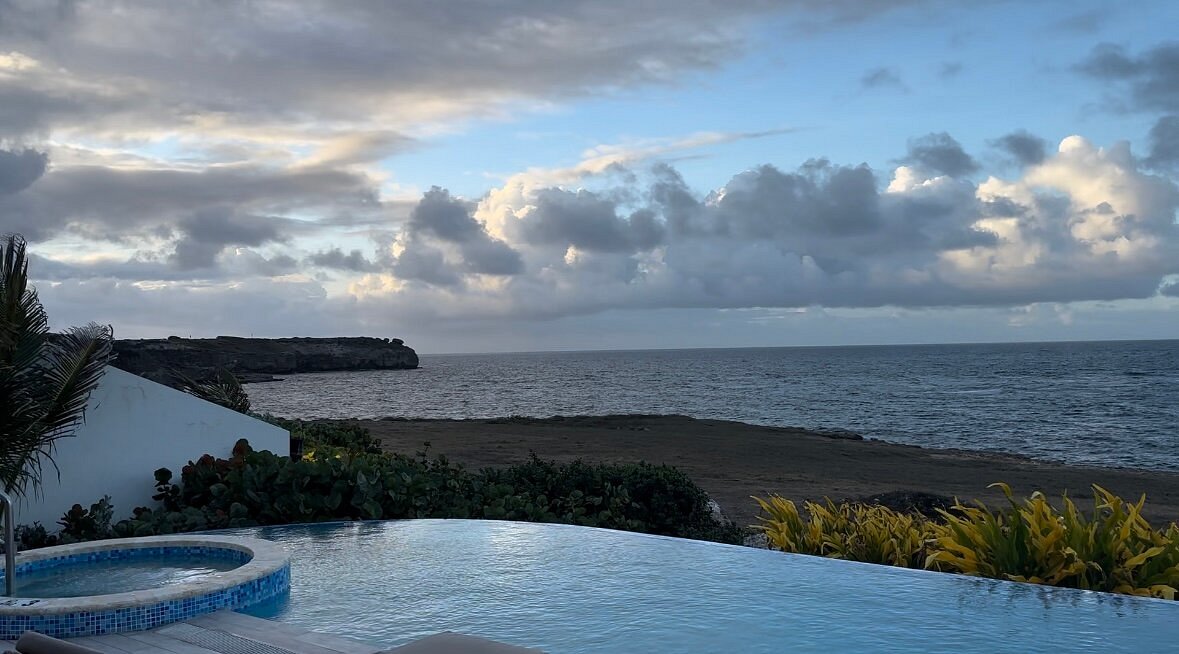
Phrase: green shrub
(632, 497)
(327, 436)
(260, 488)
(79, 524)
(30, 537)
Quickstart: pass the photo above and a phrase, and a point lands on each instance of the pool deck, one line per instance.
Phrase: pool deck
(226, 632)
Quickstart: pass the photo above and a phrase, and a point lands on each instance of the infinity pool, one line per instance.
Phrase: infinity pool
(573, 589)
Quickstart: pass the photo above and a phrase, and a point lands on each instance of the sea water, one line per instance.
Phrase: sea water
(1099, 403)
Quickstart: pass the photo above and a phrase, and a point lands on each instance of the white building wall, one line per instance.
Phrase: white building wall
(133, 427)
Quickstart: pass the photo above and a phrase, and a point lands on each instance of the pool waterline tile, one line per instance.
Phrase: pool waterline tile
(264, 575)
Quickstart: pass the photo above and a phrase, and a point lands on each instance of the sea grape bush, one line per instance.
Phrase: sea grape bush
(326, 437)
(1114, 549)
(79, 524)
(349, 482)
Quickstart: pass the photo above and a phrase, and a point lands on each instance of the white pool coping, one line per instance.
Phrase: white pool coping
(266, 558)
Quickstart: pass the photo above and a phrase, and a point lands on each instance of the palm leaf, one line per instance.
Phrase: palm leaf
(45, 381)
(222, 389)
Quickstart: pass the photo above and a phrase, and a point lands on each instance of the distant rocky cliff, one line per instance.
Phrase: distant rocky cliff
(257, 359)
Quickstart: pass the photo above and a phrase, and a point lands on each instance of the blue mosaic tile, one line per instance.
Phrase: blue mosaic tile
(87, 623)
(134, 553)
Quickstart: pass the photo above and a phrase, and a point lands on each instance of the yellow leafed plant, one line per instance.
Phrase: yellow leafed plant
(856, 532)
(1114, 549)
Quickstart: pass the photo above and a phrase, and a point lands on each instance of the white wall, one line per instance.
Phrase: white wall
(134, 426)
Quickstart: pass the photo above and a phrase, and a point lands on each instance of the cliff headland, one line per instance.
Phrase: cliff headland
(258, 359)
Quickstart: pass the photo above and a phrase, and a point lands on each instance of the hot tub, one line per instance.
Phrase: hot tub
(130, 584)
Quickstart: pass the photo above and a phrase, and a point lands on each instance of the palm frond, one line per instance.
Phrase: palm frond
(45, 381)
(222, 389)
(23, 322)
(73, 365)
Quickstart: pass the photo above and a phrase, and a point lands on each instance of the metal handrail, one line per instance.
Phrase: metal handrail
(9, 543)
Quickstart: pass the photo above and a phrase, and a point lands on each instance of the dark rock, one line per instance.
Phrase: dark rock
(259, 359)
(842, 434)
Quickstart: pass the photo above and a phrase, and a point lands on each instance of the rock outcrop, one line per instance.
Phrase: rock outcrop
(257, 359)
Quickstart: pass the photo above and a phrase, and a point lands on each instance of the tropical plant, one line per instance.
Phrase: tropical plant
(45, 379)
(222, 388)
(337, 483)
(867, 533)
(80, 524)
(1113, 549)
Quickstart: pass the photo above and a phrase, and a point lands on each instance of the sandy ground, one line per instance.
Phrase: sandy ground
(734, 460)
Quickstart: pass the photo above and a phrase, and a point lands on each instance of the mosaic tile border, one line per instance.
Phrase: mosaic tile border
(265, 574)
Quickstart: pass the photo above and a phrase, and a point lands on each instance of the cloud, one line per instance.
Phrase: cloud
(426, 263)
(1152, 77)
(336, 258)
(113, 204)
(1025, 147)
(1164, 143)
(950, 69)
(112, 65)
(227, 263)
(19, 169)
(359, 148)
(940, 153)
(587, 221)
(443, 241)
(206, 233)
(882, 78)
(1086, 223)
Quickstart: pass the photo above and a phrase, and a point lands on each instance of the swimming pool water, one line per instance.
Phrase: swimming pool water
(103, 577)
(573, 589)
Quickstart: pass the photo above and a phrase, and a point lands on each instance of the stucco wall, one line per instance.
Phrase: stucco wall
(134, 426)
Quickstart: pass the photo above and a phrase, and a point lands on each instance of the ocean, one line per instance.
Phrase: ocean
(1097, 403)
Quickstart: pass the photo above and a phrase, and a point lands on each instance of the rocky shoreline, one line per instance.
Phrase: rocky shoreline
(259, 359)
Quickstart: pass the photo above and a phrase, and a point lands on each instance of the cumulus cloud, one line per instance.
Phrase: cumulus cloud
(587, 221)
(1164, 142)
(1025, 147)
(1152, 77)
(940, 153)
(205, 234)
(443, 240)
(1086, 223)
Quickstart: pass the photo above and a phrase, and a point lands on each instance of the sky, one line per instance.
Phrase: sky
(478, 176)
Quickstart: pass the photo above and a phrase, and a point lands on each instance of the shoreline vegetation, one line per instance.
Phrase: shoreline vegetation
(733, 461)
(355, 471)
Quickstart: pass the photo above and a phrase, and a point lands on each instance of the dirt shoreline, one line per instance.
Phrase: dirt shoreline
(733, 460)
